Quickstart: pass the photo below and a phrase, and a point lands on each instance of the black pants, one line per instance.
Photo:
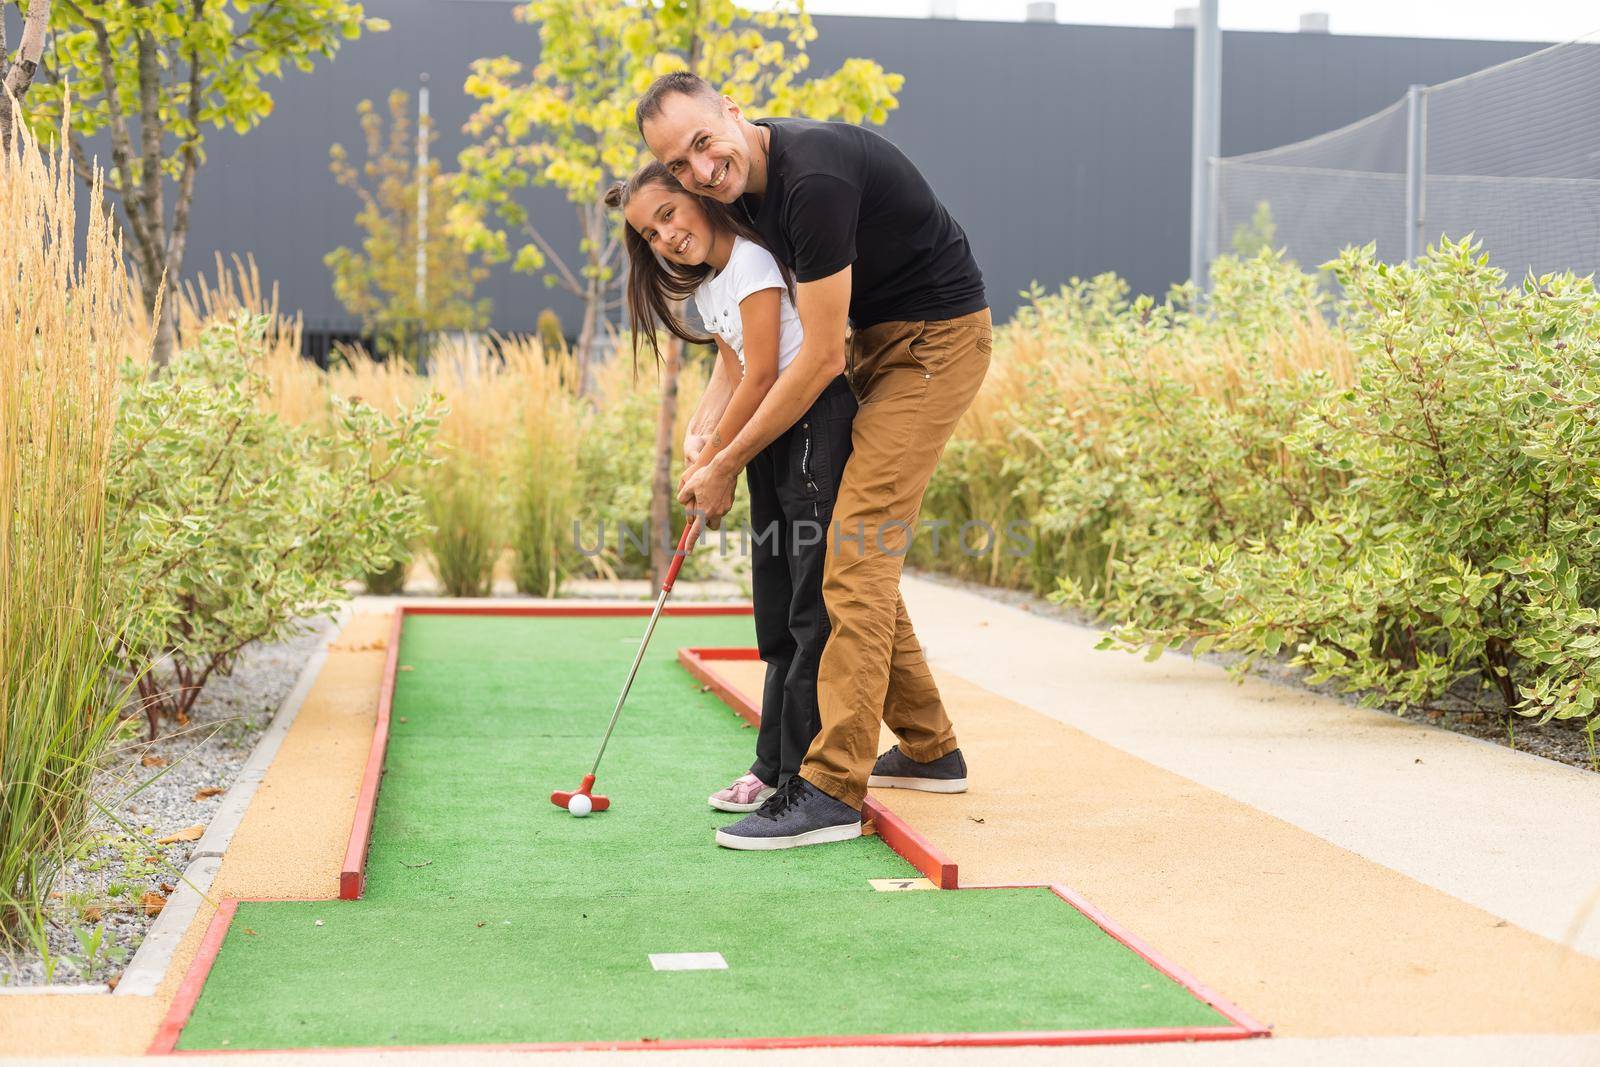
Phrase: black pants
(792, 484)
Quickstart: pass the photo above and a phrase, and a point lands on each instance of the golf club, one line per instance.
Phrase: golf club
(563, 798)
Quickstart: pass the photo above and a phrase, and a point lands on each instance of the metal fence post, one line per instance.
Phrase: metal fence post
(1416, 168)
(1207, 137)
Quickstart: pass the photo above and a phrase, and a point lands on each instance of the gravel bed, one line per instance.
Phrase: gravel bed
(154, 790)
(1463, 710)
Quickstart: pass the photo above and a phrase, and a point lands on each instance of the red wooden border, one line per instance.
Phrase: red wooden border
(996, 1038)
(910, 844)
(938, 868)
(166, 1039)
(353, 872)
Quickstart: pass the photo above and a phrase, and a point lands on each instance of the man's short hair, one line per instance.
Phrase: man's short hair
(679, 81)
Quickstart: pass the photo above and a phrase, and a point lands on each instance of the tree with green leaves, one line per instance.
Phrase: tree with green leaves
(153, 76)
(567, 122)
(379, 283)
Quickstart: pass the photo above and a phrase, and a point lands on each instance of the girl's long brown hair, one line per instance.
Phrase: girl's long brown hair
(655, 284)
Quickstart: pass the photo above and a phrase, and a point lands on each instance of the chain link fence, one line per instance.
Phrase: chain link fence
(1510, 154)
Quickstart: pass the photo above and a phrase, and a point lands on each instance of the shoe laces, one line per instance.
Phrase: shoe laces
(788, 795)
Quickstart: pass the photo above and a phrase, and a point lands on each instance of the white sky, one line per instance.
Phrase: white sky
(1511, 20)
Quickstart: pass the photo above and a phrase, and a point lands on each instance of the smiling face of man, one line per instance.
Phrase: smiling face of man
(702, 142)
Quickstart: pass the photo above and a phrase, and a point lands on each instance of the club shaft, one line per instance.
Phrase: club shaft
(637, 659)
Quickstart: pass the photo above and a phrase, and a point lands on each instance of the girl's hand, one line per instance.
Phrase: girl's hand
(688, 472)
(693, 445)
(709, 491)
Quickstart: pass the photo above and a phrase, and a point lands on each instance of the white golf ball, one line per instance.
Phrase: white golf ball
(580, 805)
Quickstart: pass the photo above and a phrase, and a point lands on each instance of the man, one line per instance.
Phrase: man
(871, 247)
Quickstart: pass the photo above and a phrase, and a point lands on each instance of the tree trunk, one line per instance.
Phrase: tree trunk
(662, 537)
(15, 78)
(593, 294)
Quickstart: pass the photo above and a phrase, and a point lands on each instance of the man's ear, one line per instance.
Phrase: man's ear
(731, 106)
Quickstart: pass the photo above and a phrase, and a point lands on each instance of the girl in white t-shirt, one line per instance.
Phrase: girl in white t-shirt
(682, 246)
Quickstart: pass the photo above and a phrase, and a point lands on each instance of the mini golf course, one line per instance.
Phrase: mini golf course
(489, 917)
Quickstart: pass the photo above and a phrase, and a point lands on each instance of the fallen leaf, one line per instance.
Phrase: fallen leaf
(152, 859)
(152, 903)
(974, 818)
(165, 888)
(209, 791)
(317, 923)
(249, 931)
(192, 833)
(705, 689)
(869, 828)
(404, 719)
(481, 924)
(153, 761)
(93, 913)
(111, 983)
(407, 667)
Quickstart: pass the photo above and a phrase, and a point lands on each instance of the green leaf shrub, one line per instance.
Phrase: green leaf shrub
(230, 523)
(1407, 504)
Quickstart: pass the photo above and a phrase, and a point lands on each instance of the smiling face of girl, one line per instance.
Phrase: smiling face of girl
(675, 227)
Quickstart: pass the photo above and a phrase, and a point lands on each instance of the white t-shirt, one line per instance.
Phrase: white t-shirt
(750, 269)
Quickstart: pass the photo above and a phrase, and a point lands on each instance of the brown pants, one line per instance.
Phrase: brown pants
(914, 381)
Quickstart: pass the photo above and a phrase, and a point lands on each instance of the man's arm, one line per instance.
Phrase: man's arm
(824, 307)
(713, 402)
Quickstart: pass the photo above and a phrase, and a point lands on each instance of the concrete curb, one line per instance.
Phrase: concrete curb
(149, 964)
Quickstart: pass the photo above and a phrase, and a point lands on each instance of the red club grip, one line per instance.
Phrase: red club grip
(691, 533)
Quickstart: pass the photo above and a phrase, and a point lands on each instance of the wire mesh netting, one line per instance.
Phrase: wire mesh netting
(1510, 154)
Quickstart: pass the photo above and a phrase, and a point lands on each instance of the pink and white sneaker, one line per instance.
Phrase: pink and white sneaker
(747, 793)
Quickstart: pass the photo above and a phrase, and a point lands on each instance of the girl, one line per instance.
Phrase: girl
(680, 245)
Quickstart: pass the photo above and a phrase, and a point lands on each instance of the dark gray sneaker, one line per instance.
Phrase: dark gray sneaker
(896, 770)
(797, 814)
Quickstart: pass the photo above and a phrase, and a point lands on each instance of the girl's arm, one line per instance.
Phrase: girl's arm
(760, 314)
(713, 402)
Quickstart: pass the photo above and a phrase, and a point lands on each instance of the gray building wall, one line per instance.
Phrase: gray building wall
(1063, 150)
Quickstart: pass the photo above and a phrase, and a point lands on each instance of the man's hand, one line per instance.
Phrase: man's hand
(708, 491)
(693, 444)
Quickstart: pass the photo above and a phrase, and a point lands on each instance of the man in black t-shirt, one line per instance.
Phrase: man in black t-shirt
(872, 249)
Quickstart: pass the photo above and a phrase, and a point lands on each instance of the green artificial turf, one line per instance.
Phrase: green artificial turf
(491, 916)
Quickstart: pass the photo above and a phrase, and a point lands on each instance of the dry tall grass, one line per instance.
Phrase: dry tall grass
(66, 316)
(522, 455)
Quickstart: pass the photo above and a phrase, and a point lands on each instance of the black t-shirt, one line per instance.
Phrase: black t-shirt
(839, 195)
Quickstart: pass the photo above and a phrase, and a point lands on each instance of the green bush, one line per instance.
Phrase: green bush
(229, 523)
(1109, 423)
(464, 511)
(544, 502)
(615, 466)
(391, 580)
(1437, 523)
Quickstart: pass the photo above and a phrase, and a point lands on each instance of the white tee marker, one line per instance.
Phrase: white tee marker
(688, 961)
(899, 885)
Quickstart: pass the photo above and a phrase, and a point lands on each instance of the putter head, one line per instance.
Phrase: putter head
(561, 796)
